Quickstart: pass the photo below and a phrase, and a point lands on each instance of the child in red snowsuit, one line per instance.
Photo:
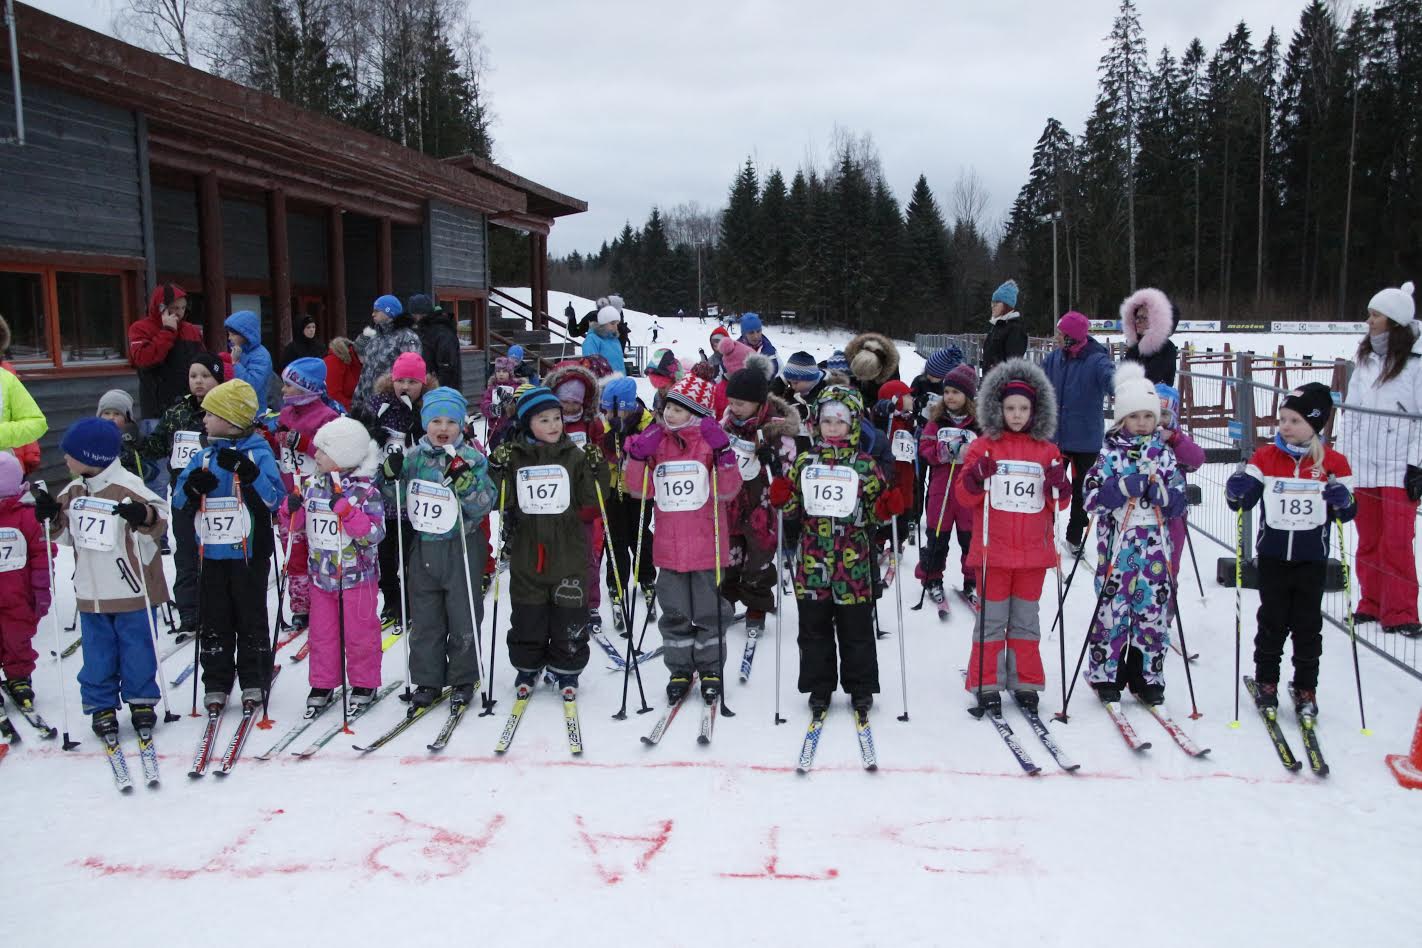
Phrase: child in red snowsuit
(24, 580)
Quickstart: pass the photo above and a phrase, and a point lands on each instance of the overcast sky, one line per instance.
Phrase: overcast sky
(627, 104)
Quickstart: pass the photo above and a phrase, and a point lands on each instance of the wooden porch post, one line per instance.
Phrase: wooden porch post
(537, 277)
(280, 265)
(336, 277)
(214, 279)
(384, 272)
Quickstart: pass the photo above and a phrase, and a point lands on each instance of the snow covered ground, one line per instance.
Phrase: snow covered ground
(949, 842)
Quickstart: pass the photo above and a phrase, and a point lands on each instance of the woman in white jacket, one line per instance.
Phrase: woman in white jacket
(1386, 454)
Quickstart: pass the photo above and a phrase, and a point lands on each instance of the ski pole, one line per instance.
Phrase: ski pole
(1190, 545)
(58, 645)
(202, 547)
(1352, 634)
(779, 606)
(1174, 606)
(899, 596)
(469, 595)
(400, 574)
(1061, 604)
(720, 603)
(494, 625)
(634, 651)
(1238, 605)
(622, 605)
(982, 598)
(341, 607)
(1096, 609)
(168, 716)
(1075, 564)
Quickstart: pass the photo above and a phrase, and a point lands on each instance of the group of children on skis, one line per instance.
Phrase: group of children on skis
(690, 498)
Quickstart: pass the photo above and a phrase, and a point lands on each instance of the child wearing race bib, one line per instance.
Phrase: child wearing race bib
(229, 490)
(175, 441)
(24, 581)
(1189, 457)
(952, 426)
(1013, 481)
(115, 525)
(575, 387)
(116, 407)
(550, 489)
(677, 456)
(836, 492)
(894, 416)
(442, 478)
(1132, 490)
(1301, 482)
(626, 417)
(342, 517)
(762, 430)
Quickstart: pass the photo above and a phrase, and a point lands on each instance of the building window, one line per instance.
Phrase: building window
(467, 313)
(87, 312)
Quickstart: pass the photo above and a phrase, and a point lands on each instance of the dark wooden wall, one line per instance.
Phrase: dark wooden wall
(306, 243)
(244, 242)
(175, 231)
(65, 401)
(457, 252)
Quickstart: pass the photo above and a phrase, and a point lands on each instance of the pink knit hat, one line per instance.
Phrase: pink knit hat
(734, 354)
(408, 365)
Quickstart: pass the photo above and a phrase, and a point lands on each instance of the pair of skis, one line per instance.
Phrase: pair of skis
(1039, 728)
(703, 734)
(118, 762)
(868, 755)
(1308, 726)
(572, 725)
(618, 659)
(1134, 740)
(207, 743)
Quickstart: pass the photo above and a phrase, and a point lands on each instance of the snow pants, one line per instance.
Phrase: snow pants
(622, 514)
(1081, 462)
(1134, 614)
(690, 607)
(298, 579)
(934, 556)
(822, 623)
(234, 639)
(391, 553)
(185, 563)
(1290, 601)
(118, 660)
(17, 650)
(444, 643)
(362, 624)
(750, 576)
(1387, 569)
(594, 581)
(1006, 644)
(550, 630)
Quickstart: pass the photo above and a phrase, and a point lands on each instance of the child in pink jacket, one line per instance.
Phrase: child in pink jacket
(24, 581)
(687, 453)
(952, 425)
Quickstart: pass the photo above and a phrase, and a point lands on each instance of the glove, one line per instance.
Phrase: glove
(780, 492)
(1175, 506)
(766, 455)
(587, 514)
(46, 507)
(1337, 496)
(644, 446)
(200, 483)
(714, 435)
(1057, 478)
(890, 505)
(459, 475)
(293, 503)
(394, 464)
(1412, 481)
(1134, 485)
(980, 472)
(1237, 488)
(133, 513)
(1156, 494)
(1110, 495)
(499, 460)
(230, 459)
(342, 507)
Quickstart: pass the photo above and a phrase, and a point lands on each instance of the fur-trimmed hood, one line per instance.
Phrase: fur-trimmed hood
(564, 371)
(989, 400)
(776, 419)
(872, 350)
(1161, 318)
(340, 347)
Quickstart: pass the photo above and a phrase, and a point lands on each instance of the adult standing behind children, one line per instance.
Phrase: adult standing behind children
(390, 333)
(1006, 337)
(1081, 372)
(161, 346)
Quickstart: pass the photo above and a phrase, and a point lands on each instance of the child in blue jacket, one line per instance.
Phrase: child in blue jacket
(251, 362)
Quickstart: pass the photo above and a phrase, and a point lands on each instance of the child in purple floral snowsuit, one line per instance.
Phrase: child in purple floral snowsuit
(1133, 491)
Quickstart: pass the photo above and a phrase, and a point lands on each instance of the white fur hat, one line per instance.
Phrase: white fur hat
(608, 314)
(1395, 303)
(1133, 392)
(346, 442)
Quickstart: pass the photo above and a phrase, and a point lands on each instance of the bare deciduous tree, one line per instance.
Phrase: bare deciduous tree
(168, 27)
(970, 199)
(692, 225)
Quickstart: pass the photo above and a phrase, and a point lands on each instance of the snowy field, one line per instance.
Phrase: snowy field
(949, 842)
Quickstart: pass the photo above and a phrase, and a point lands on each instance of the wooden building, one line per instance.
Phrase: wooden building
(137, 169)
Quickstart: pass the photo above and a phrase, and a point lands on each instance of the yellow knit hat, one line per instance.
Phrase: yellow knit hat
(234, 401)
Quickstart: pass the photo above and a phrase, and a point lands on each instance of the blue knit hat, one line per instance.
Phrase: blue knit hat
(837, 362)
(750, 322)
(1006, 294)
(801, 367)
(536, 399)
(92, 441)
(307, 374)
(943, 361)
(388, 305)
(619, 395)
(443, 402)
(516, 353)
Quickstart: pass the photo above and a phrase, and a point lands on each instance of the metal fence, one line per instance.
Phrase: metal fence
(972, 345)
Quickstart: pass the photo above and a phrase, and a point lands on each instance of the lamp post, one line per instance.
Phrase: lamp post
(1053, 217)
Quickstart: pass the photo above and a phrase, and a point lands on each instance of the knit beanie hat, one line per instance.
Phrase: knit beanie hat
(964, 378)
(12, 475)
(717, 334)
(209, 361)
(516, 353)
(234, 401)
(1314, 401)
(116, 399)
(443, 402)
(409, 365)
(1006, 294)
(801, 367)
(734, 354)
(837, 362)
(572, 389)
(893, 389)
(344, 440)
(750, 322)
(1074, 326)
(505, 364)
(388, 305)
(535, 400)
(663, 368)
(694, 394)
(420, 305)
(607, 315)
(1134, 392)
(307, 374)
(619, 395)
(942, 362)
(92, 441)
(749, 385)
(1020, 387)
(1395, 303)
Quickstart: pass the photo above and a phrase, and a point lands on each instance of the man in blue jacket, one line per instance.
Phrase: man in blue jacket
(1083, 375)
(251, 362)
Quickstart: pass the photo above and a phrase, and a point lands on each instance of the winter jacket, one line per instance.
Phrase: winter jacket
(943, 442)
(342, 372)
(259, 498)
(362, 527)
(24, 592)
(440, 344)
(1104, 495)
(108, 582)
(426, 462)
(1380, 447)
(254, 364)
(1006, 339)
(496, 404)
(902, 474)
(1083, 381)
(183, 415)
(21, 421)
(1154, 350)
(133, 461)
(614, 443)
(1267, 468)
(684, 540)
(162, 355)
(768, 350)
(377, 348)
(764, 445)
(304, 419)
(596, 344)
(835, 552)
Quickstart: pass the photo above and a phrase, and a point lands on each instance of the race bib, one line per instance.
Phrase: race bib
(186, 444)
(903, 445)
(1294, 503)
(955, 440)
(223, 521)
(13, 550)
(830, 491)
(323, 528)
(579, 438)
(93, 524)
(297, 462)
(681, 485)
(432, 508)
(745, 457)
(543, 489)
(1018, 487)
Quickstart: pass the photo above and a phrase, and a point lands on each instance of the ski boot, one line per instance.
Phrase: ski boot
(819, 703)
(710, 688)
(21, 690)
(861, 705)
(300, 621)
(568, 687)
(214, 701)
(360, 697)
(390, 624)
(934, 587)
(459, 696)
(251, 697)
(1359, 618)
(144, 718)
(1268, 696)
(1026, 699)
(1108, 691)
(1305, 702)
(649, 593)
(317, 701)
(989, 702)
(485, 584)
(755, 623)
(970, 593)
(677, 688)
(1410, 630)
(618, 621)
(423, 697)
(1152, 694)
(594, 626)
(106, 723)
(524, 683)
